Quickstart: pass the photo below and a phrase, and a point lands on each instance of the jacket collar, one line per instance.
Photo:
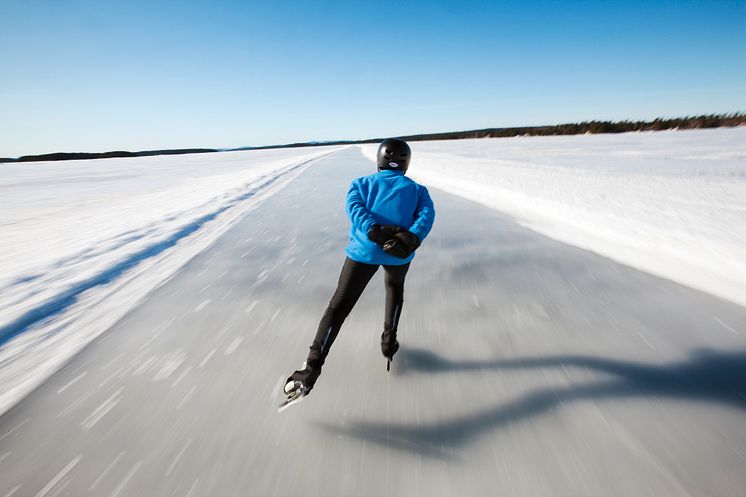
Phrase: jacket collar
(390, 172)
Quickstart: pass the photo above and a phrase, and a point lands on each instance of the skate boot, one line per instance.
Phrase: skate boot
(389, 346)
(299, 384)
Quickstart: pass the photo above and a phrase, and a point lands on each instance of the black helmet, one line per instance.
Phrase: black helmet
(393, 154)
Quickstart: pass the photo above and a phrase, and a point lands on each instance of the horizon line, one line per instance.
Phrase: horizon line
(738, 116)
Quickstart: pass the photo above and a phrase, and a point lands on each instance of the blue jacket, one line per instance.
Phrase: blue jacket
(387, 197)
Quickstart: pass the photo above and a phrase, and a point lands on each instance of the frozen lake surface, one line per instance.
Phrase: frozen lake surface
(528, 367)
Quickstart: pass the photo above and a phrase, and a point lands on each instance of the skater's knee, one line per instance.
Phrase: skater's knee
(394, 284)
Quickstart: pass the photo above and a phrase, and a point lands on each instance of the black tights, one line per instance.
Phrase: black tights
(352, 281)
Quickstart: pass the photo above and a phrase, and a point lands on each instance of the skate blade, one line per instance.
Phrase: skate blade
(293, 398)
(388, 365)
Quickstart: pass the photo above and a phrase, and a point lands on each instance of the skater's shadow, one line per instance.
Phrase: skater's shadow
(706, 376)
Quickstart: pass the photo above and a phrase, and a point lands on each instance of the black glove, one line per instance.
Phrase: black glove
(382, 234)
(402, 245)
(391, 230)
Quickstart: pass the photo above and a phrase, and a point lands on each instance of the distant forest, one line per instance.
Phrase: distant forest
(593, 127)
(587, 127)
(104, 155)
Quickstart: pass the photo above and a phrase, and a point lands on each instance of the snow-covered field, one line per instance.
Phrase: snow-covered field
(670, 203)
(84, 241)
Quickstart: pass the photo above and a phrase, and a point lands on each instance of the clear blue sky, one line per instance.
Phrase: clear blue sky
(96, 75)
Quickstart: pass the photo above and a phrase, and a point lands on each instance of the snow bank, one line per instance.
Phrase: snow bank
(84, 241)
(671, 203)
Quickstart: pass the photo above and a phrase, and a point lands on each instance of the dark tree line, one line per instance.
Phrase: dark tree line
(105, 155)
(593, 127)
(659, 124)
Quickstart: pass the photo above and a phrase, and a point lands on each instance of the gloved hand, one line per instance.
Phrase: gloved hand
(402, 245)
(382, 234)
(391, 230)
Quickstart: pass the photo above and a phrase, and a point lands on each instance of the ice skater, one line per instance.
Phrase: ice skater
(390, 215)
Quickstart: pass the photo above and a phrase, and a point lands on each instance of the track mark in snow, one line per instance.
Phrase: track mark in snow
(724, 325)
(194, 487)
(101, 410)
(54, 481)
(234, 345)
(9, 432)
(647, 456)
(251, 307)
(171, 363)
(145, 365)
(204, 289)
(178, 457)
(13, 490)
(106, 471)
(207, 358)
(647, 342)
(261, 278)
(181, 377)
(85, 363)
(161, 327)
(72, 382)
(186, 398)
(5, 456)
(220, 334)
(115, 359)
(112, 375)
(126, 479)
(282, 432)
(75, 404)
(134, 362)
(202, 305)
(274, 316)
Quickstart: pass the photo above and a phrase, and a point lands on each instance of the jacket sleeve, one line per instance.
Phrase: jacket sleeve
(356, 211)
(424, 216)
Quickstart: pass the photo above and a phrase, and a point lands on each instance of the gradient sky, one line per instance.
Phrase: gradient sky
(96, 75)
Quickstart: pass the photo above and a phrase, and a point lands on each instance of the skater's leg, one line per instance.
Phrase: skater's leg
(394, 282)
(352, 281)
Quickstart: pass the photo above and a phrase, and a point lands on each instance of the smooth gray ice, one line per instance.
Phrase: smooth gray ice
(527, 368)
